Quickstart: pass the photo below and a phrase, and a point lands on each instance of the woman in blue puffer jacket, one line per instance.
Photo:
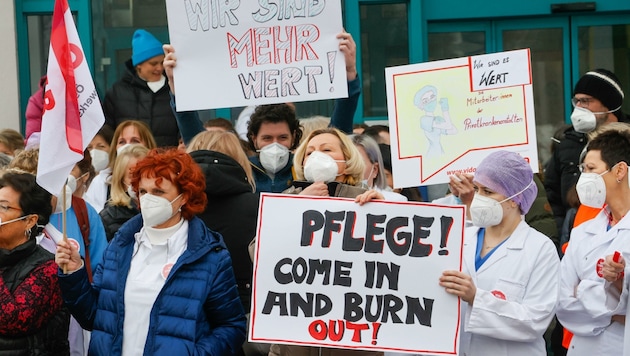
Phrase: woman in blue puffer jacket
(166, 285)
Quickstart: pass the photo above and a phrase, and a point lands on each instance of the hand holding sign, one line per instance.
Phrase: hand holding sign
(332, 273)
(459, 284)
(349, 50)
(170, 61)
(235, 53)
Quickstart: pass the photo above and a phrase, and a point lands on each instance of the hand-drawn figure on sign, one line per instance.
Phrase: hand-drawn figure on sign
(433, 126)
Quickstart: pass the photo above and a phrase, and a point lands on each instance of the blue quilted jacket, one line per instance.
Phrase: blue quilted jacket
(197, 312)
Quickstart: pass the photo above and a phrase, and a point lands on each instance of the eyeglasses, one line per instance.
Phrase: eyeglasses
(428, 100)
(584, 169)
(5, 208)
(582, 101)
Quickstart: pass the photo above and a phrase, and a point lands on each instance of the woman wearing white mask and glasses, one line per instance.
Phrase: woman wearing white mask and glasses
(586, 307)
(166, 286)
(508, 285)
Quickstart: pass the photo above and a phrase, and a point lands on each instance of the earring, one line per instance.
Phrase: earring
(618, 180)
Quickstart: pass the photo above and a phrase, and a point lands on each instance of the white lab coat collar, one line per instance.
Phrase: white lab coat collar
(597, 227)
(515, 242)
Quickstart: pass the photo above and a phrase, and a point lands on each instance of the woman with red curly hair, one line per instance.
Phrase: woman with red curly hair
(166, 285)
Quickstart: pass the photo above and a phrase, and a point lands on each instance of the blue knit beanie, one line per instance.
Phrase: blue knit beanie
(144, 46)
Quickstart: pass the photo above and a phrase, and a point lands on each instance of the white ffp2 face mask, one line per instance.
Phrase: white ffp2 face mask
(72, 183)
(132, 193)
(583, 120)
(274, 157)
(100, 159)
(591, 189)
(485, 211)
(59, 205)
(156, 210)
(320, 167)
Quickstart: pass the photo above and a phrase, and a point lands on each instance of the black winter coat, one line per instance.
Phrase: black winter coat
(130, 98)
(17, 268)
(114, 216)
(562, 171)
(232, 211)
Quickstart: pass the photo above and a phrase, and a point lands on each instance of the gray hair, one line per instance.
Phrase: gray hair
(374, 154)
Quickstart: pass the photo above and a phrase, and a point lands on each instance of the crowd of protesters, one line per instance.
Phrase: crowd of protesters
(160, 212)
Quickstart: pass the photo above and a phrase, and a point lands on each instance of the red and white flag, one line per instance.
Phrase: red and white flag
(72, 109)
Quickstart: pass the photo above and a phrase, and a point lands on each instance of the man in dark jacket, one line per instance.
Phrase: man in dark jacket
(597, 98)
(142, 93)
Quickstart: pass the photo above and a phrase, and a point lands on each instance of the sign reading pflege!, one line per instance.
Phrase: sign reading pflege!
(331, 273)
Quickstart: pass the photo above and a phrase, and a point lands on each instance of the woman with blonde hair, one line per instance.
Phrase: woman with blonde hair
(326, 156)
(122, 204)
(127, 133)
(224, 142)
(331, 165)
(10, 142)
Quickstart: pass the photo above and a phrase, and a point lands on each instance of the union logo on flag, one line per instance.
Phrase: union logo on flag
(72, 110)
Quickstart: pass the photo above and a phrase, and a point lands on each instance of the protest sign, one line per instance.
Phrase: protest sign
(446, 116)
(331, 273)
(237, 53)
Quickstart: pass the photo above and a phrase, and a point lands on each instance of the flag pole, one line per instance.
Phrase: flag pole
(63, 223)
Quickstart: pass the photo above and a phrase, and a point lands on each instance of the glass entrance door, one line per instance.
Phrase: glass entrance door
(602, 42)
(562, 50)
(548, 42)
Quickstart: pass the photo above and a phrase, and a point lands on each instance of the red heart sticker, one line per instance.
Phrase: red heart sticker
(498, 294)
(166, 270)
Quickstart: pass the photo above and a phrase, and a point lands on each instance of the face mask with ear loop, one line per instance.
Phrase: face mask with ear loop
(485, 211)
(320, 167)
(13, 220)
(584, 120)
(274, 157)
(366, 182)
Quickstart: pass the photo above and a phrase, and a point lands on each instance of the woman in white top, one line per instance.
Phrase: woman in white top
(594, 313)
(508, 285)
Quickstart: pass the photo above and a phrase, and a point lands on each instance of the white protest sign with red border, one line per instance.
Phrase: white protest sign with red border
(238, 53)
(446, 116)
(331, 273)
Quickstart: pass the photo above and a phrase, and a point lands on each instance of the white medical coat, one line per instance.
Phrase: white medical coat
(523, 270)
(585, 304)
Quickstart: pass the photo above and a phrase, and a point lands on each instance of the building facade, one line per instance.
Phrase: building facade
(566, 40)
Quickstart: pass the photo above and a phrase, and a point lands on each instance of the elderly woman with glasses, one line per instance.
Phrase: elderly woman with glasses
(33, 320)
